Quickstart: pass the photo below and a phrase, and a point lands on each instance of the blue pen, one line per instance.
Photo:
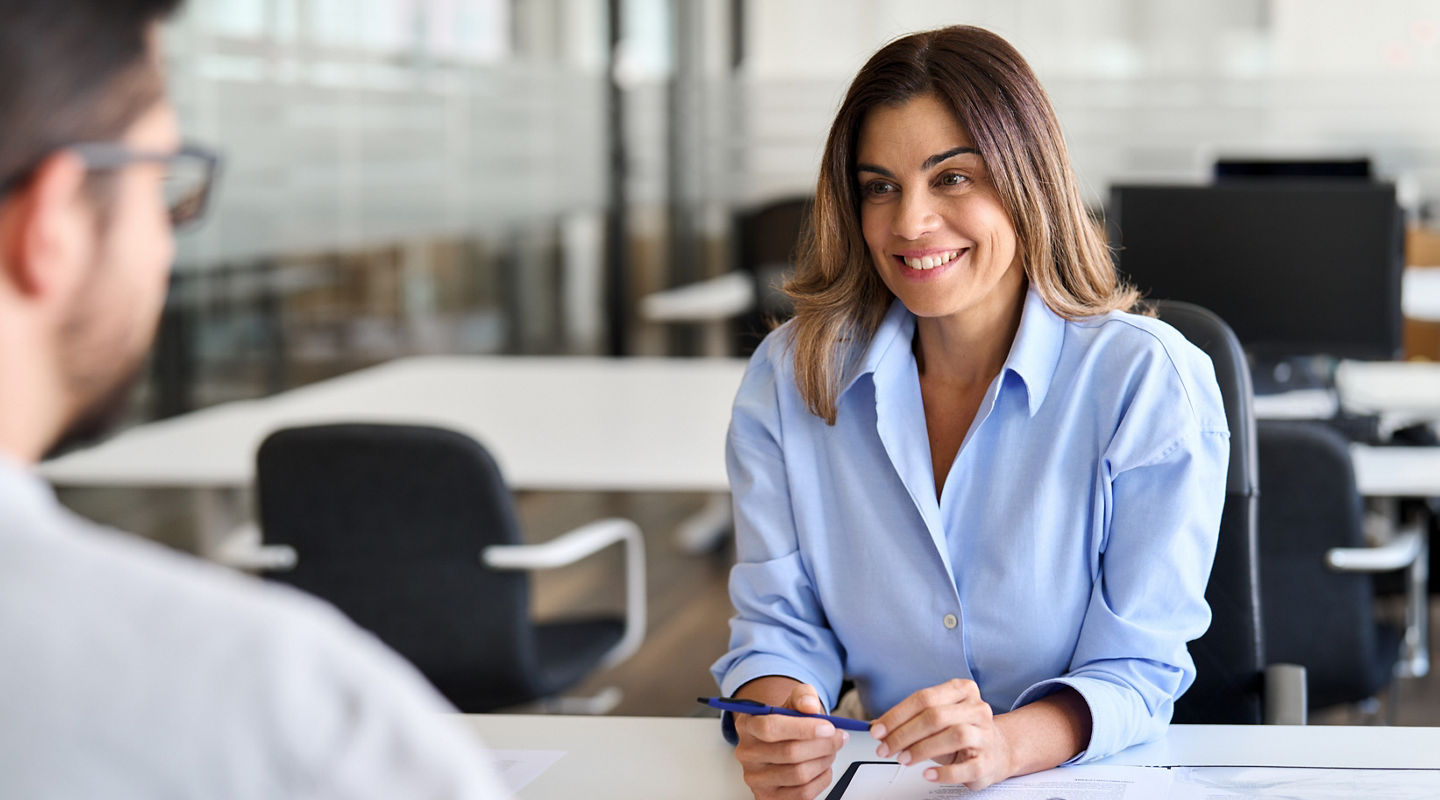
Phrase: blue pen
(739, 705)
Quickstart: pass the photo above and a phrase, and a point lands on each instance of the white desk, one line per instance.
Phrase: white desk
(1401, 392)
(589, 424)
(1396, 471)
(553, 423)
(625, 758)
(1420, 293)
(557, 423)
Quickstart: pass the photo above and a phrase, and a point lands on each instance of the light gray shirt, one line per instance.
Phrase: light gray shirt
(128, 670)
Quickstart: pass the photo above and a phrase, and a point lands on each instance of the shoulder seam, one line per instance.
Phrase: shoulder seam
(1169, 359)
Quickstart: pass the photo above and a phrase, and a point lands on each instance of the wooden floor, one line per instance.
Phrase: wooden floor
(688, 604)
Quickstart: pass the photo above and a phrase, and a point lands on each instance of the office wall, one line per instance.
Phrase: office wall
(350, 124)
(400, 176)
(433, 174)
(1146, 89)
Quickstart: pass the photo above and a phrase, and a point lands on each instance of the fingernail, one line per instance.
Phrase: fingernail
(932, 774)
(824, 729)
(844, 736)
(878, 731)
(903, 757)
(882, 750)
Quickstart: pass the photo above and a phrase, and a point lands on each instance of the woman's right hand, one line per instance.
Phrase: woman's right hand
(786, 758)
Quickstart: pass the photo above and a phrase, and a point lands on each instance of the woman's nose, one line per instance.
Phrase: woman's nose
(915, 216)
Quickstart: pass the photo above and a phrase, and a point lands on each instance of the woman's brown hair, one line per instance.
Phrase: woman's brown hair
(839, 297)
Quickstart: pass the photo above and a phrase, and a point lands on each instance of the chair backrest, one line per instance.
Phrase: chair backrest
(1230, 656)
(767, 237)
(1316, 617)
(388, 523)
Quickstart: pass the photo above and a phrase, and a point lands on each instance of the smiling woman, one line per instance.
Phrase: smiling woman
(991, 102)
(965, 477)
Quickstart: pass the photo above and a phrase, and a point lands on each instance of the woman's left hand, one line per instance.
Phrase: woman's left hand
(951, 725)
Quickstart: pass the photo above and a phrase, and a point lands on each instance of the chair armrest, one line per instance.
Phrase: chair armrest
(1286, 702)
(567, 548)
(1398, 553)
(563, 550)
(243, 549)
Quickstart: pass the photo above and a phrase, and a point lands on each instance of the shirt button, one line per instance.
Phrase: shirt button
(951, 621)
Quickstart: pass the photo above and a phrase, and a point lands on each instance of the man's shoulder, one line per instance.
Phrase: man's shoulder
(116, 573)
(115, 637)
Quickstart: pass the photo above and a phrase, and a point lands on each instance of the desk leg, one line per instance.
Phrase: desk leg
(1415, 649)
(220, 516)
(704, 530)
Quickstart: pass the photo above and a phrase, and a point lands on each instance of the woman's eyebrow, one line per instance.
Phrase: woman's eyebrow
(930, 162)
(948, 154)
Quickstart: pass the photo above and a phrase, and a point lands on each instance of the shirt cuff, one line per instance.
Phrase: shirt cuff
(760, 665)
(1111, 729)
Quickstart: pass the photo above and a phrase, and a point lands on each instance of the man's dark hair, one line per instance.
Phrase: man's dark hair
(72, 71)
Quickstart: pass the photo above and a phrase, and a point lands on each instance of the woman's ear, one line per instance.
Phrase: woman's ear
(47, 228)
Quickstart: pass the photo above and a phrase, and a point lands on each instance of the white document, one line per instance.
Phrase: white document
(874, 781)
(1264, 783)
(519, 767)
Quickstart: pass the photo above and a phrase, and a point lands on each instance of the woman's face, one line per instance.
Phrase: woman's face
(930, 217)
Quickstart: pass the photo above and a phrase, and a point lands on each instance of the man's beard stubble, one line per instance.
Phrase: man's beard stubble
(101, 413)
(100, 380)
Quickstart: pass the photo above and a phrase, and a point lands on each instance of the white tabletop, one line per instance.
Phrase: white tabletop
(1420, 293)
(555, 423)
(623, 758)
(1401, 392)
(1409, 389)
(552, 423)
(1300, 404)
(1396, 471)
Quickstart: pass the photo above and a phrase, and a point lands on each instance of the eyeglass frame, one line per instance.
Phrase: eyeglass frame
(103, 156)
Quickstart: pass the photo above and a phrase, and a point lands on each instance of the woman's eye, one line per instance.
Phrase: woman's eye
(877, 188)
(953, 179)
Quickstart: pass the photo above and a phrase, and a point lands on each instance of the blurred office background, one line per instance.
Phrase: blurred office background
(511, 176)
(514, 176)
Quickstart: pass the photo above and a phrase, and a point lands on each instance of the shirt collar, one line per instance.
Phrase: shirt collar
(1036, 350)
(21, 487)
(1033, 355)
(898, 326)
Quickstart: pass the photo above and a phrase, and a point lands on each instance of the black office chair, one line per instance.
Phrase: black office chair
(1231, 685)
(1314, 562)
(411, 532)
(766, 239)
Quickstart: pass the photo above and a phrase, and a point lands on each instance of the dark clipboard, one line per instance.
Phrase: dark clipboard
(838, 793)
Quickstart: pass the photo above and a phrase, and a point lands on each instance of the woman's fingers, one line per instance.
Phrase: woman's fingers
(971, 767)
(788, 758)
(804, 698)
(945, 745)
(926, 713)
(789, 769)
(788, 750)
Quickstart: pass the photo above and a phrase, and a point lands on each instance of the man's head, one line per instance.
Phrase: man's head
(85, 240)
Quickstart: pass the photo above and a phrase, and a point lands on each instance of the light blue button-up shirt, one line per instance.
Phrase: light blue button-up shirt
(1071, 543)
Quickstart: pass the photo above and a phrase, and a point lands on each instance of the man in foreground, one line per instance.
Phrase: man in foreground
(130, 670)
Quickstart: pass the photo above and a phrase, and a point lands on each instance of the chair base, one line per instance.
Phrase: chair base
(602, 702)
(708, 529)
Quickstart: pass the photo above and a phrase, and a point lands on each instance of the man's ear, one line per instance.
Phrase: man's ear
(46, 226)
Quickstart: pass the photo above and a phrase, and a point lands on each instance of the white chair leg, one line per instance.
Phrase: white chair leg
(602, 702)
(704, 530)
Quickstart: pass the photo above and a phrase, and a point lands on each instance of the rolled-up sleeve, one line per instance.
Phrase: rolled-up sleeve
(779, 627)
(1148, 601)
